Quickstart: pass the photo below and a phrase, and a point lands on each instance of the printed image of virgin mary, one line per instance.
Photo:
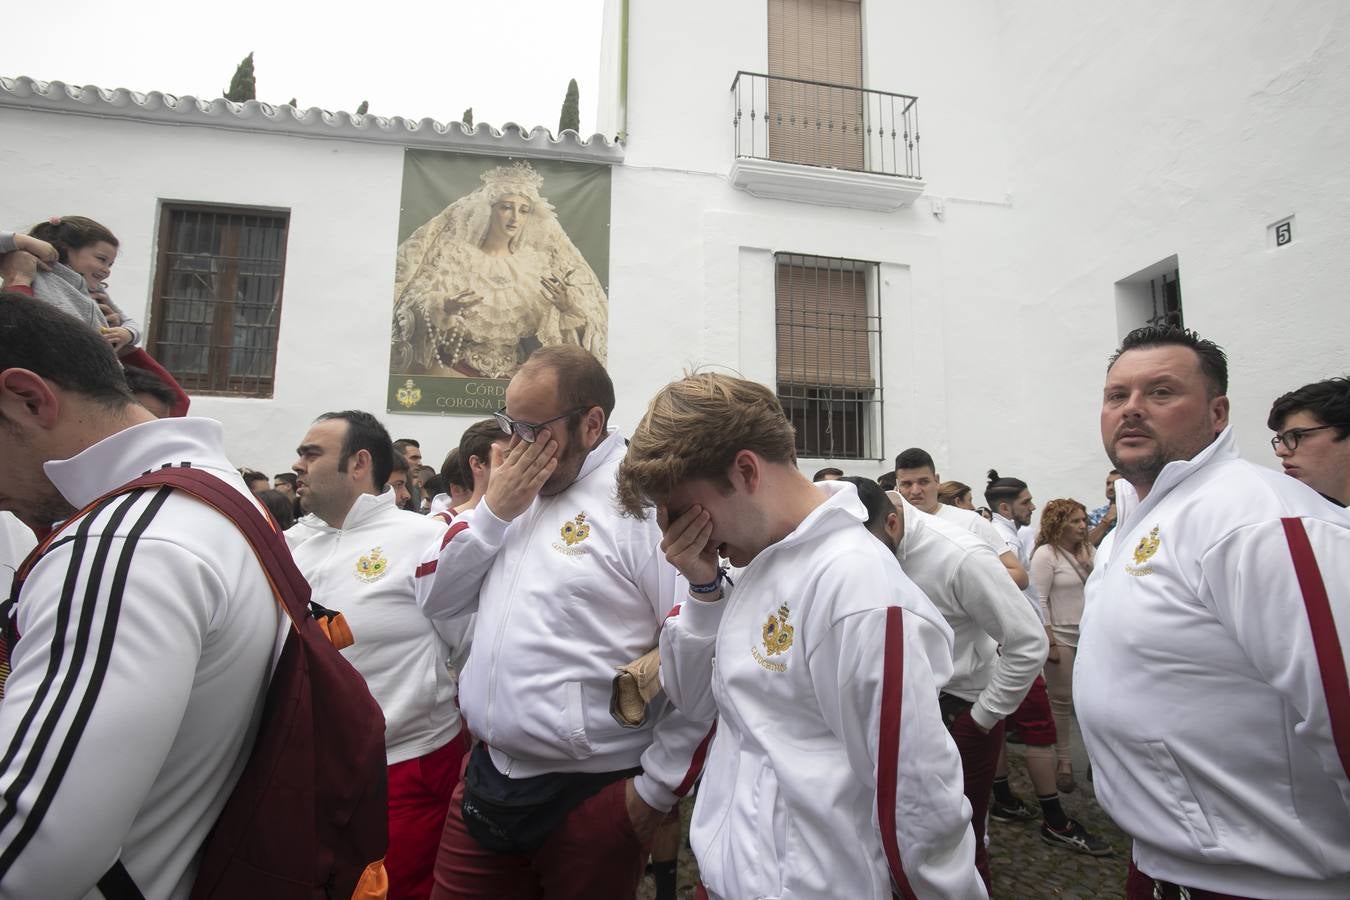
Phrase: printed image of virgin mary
(489, 279)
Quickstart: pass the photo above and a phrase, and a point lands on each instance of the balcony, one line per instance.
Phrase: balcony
(827, 144)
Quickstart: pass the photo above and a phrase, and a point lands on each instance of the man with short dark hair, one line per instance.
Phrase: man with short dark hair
(284, 483)
(257, 482)
(829, 473)
(398, 481)
(1312, 436)
(558, 797)
(1102, 519)
(364, 559)
(917, 480)
(477, 445)
(412, 452)
(145, 632)
(999, 646)
(832, 774)
(1210, 685)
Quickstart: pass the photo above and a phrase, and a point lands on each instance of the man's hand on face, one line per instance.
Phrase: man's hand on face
(518, 473)
(686, 544)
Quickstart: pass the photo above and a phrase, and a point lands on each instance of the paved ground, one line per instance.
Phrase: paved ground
(1023, 867)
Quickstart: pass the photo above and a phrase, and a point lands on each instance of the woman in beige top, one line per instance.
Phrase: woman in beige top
(1060, 566)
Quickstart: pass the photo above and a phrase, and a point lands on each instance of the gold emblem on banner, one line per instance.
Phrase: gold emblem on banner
(372, 567)
(409, 395)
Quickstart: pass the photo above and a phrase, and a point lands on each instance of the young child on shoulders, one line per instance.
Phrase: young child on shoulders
(77, 255)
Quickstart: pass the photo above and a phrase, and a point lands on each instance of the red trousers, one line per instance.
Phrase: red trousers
(1139, 886)
(979, 758)
(593, 855)
(419, 795)
(1033, 718)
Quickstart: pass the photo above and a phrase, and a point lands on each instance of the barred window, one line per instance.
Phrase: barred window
(1165, 294)
(217, 297)
(829, 354)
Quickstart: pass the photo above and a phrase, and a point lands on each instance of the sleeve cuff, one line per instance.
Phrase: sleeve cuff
(700, 618)
(486, 523)
(653, 794)
(983, 717)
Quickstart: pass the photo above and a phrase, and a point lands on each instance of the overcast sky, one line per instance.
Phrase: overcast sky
(508, 59)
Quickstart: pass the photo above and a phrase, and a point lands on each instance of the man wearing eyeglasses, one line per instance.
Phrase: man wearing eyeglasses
(1211, 681)
(1312, 436)
(567, 589)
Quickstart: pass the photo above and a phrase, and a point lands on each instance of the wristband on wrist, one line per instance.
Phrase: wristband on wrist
(713, 586)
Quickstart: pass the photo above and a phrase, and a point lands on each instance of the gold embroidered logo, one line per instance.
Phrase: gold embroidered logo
(409, 395)
(573, 531)
(372, 567)
(1148, 545)
(777, 634)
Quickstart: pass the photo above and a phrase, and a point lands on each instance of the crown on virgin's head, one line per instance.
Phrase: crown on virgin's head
(519, 177)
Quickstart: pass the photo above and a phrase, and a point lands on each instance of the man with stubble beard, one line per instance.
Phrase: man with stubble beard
(558, 799)
(1211, 679)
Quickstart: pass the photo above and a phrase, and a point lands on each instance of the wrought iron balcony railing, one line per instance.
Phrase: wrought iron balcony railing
(813, 123)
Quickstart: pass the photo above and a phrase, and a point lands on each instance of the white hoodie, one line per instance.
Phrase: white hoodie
(1198, 687)
(365, 570)
(566, 593)
(963, 577)
(825, 654)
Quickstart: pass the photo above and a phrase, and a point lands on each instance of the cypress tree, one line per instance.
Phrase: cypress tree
(361, 110)
(293, 103)
(467, 118)
(571, 110)
(242, 85)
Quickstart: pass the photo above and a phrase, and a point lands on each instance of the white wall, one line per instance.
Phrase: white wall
(343, 199)
(1069, 152)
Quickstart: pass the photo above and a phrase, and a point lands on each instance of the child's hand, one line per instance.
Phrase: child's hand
(44, 251)
(117, 337)
(105, 306)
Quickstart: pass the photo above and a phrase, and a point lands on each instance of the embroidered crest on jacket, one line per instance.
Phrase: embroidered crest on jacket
(372, 567)
(1148, 545)
(777, 635)
(574, 531)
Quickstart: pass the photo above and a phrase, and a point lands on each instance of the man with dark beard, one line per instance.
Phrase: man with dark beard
(1211, 682)
(567, 590)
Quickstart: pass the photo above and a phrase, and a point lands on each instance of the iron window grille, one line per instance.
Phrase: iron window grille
(1165, 292)
(828, 335)
(217, 300)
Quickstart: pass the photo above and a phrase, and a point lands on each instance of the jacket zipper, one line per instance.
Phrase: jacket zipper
(501, 633)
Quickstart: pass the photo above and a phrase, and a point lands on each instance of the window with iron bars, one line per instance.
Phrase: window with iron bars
(217, 300)
(829, 354)
(1165, 292)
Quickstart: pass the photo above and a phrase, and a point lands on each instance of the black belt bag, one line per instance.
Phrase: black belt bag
(952, 706)
(516, 815)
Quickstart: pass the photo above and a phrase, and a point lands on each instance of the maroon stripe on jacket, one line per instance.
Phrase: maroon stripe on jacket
(888, 746)
(1326, 642)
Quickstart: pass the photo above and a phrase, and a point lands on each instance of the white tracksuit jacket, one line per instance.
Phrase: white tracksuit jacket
(1198, 688)
(825, 652)
(968, 584)
(566, 593)
(365, 570)
(147, 636)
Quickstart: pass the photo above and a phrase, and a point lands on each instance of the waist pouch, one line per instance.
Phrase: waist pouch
(516, 815)
(952, 707)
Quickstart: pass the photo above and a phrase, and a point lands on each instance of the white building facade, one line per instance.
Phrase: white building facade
(957, 285)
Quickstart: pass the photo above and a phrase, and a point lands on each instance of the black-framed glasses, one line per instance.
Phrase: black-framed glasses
(528, 431)
(1291, 437)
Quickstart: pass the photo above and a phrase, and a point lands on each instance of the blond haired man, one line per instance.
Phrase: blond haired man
(828, 664)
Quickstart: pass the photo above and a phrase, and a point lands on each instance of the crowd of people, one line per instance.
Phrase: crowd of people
(569, 631)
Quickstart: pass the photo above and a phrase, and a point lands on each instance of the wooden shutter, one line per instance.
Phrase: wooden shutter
(823, 324)
(812, 124)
